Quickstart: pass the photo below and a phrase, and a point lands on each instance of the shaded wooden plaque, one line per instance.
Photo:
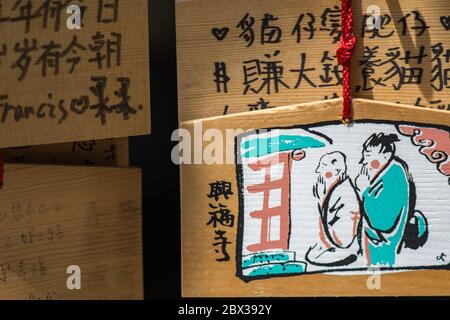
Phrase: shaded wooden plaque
(73, 71)
(290, 202)
(236, 56)
(106, 152)
(55, 217)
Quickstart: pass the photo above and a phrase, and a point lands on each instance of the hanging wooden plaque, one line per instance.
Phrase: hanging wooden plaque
(290, 202)
(70, 232)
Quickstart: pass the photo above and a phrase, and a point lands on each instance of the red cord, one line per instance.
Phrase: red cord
(344, 55)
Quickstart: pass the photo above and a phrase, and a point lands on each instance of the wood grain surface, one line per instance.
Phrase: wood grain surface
(106, 152)
(53, 217)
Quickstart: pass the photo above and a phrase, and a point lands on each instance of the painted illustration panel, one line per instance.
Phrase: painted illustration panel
(329, 198)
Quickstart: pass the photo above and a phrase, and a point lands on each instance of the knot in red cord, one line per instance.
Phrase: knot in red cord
(346, 49)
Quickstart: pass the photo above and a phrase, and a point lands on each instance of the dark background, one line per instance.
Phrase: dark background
(160, 177)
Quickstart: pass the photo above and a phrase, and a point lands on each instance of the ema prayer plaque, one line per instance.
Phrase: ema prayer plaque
(311, 207)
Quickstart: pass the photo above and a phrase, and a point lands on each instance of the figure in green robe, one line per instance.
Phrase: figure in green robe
(388, 197)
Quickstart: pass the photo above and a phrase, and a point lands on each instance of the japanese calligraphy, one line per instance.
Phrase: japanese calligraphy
(220, 217)
(286, 54)
(67, 78)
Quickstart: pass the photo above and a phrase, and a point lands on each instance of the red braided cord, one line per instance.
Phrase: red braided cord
(344, 55)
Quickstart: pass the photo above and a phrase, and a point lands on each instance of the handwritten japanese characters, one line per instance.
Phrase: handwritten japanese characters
(73, 83)
(315, 208)
(106, 152)
(58, 220)
(269, 53)
(220, 217)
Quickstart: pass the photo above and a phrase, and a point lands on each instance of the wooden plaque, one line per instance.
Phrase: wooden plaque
(56, 217)
(73, 71)
(236, 56)
(290, 202)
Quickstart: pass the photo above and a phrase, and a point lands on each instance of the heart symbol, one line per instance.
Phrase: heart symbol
(446, 22)
(220, 34)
